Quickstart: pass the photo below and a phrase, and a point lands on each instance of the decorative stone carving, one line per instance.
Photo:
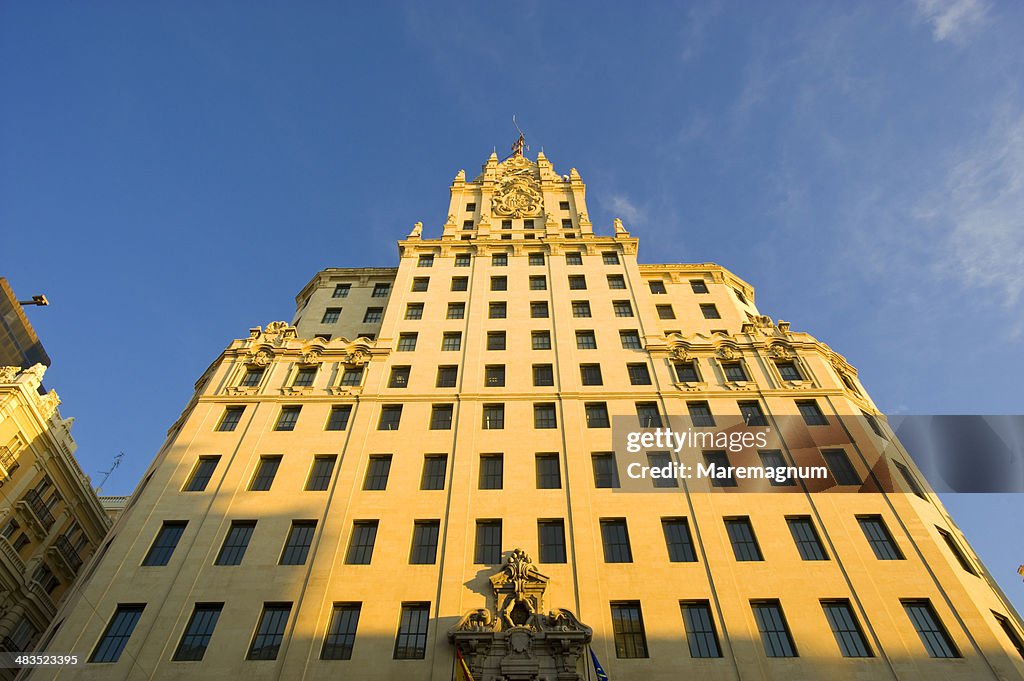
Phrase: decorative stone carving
(620, 229)
(311, 356)
(260, 358)
(357, 356)
(517, 193)
(276, 327)
(780, 352)
(726, 352)
(7, 374)
(417, 231)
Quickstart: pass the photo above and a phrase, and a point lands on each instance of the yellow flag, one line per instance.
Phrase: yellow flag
(462, 669)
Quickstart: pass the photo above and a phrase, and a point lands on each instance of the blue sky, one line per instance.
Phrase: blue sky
(172, 174)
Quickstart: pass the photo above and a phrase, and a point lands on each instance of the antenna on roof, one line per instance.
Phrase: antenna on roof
(520, 144)
(113, 467)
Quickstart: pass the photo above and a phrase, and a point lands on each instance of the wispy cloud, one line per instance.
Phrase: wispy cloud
(952, 20)
(621, 206)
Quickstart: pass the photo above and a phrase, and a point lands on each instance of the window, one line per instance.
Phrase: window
(615, 538)
(115, 636)
(539, 309)
(288, 417)
(678, 540)
(493, 416)
(741, 536)
(424, 542)
(201, 474)
(494, 376)
(577, 282)
(878, 537)
(734, 371)
(700, 414)
(499, 260)
(1011, 632)
(616, 281)
(413, 311)
(411, 641)
(296, 547)
(771, 622)
(700, 629)
(911, 481)
(252, 376)
(752, 414)
(590, 374)
(341, 290)
(236, 542)
(606, 475)
(456, 311)
(420, 284)
(270, 631)
(458, 284)
(382, 290)
(451, 341)
(551, 540)
(529, 224)
(630, 339)
(638, 374)
(196, 638)
(377, 471)
(548, 473)
(447, 376)
(774, 460)
(320, 474)
(497, 311)
(597, 414)
(540, 340)
(647, 414)
(352, 376)
(933, 635)
(406, 342)
(360, 546)
(341, 632)
(811, 412)
(488, 542)
(435, 467)
(470, 207)
(788, 371)
(806, 538)
(957, 552)
(544, 416)
(628, 628)
(686, 372)
(441, 417)
(657, 287)
(844, 627)
(698, 286)
(390, 417)
(585, 340)
(566, 223)
(462, 260)
(661, 460)
(331, 315)
(622, 308)
(491, 471)
(665, 312)
(467, 224)
(574, 258)
(842, 470)
(426, 260)
(499, 283)
(536, 258)
(538, 283)
(563, 205)
(873, 423)
(373, 315)
(338, 418)
(165, 543)
(266, 470)
(610, 258)
(580, 308)
(719, 460)
(229, 421)
(543, 374)
(495, 340)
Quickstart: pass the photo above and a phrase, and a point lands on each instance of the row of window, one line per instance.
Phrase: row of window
(535, 258)
(540, 340)
(537, 282)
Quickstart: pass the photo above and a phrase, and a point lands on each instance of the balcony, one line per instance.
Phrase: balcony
(65, 556)
(36, 514)
(8, 464)
(10, 556)
(43, 601)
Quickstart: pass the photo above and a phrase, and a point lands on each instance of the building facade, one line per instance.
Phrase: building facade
(425, 460)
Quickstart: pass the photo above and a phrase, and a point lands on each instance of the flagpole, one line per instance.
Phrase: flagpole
(454, 659)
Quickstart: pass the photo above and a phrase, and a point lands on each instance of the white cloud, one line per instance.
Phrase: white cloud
(952, 19)
(622, 207)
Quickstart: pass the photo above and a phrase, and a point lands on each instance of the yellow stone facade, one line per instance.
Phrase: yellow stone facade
(425, 385)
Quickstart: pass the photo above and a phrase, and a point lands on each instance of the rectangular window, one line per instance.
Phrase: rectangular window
(622, 308)
(638, 374)
(229, 421)
(543, 375)
(341, 290)
(451, 341)
(288, 417)
(911, 481)
(499, 283)
(544, 416)
(331, 315)
(424, 542)
(420, 284)
(497, 311)
(493, 416)
(841, 467)
(381, 291)
(166, 541)
(467, 224)
(630, 340)
(390, 417)
(752, 414)
(597, 414)
(538, 282)
(610, 258)
(462, 260)
(590, 374)
(772, 458)
(616, 281)
(606, 475)
(661, 460)
(628, 629)
(115, 636)
(808, 544)
(236, 542)
(320, 474)
(373, 315)
(665, 312)
(657, 287)
(495, 340)
(460, 284)
(1011, 632)
(435, 468)
(811, 412)
(411, 641)
(678, 540)
(413, 311)
(360, 546)
(700, 629)
(494, 376)
(551, 540)
(647, 414)
(252, 376)
(744, 542)
(456, 311)
(399, 377)
(266, 642)
(873, 423)
(734, 371)
(549, 475)
(296, 547)
(266, 471)
(491, 471)
(198, 632)
(771, 622)
(710, 311)
(580, 308)
(577, 282)
(352, 377)
(488, 542)
(700, 414)
(341, 632)
(933, 635)
(566, 223)
(586, 340)
(447, 376)
(574, 258)
(615, 538)
(499, 260)
(426, 260)
(845, 628)
(441, 416)
(698, 286)
(788, 371)
(201, 474)
(957, 552)
(377, 471)
(539, 309)
(338, 418)
(878, 536)
(540, 340)
(406, 342)
(686, 372)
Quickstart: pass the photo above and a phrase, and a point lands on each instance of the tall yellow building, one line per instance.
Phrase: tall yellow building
(429, 458)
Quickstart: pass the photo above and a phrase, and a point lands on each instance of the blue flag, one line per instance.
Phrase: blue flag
(598, 669)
